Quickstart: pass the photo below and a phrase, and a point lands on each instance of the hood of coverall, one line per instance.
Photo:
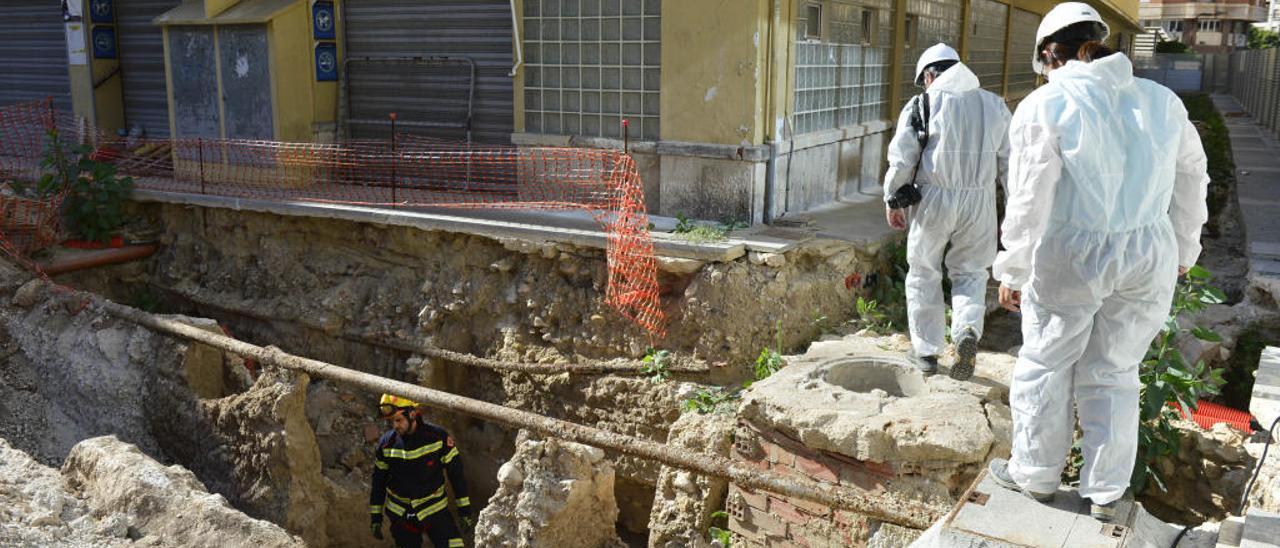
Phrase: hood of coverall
(957, 79)
(1113, 70)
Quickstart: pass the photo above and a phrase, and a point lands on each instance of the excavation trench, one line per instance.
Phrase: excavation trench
(378, 299)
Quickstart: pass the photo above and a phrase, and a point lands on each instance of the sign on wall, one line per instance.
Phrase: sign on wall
(102, 11)
(323, 21)
(326, 62)
(104, 42)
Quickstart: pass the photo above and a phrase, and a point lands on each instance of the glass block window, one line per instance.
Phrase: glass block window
(842, 79)
(987, 24)
(933, 21)
(1022, 44)
(589, 64)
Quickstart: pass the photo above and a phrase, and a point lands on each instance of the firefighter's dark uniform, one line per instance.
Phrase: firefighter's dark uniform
(408, 486)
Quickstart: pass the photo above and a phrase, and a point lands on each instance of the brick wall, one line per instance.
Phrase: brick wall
(758, 518)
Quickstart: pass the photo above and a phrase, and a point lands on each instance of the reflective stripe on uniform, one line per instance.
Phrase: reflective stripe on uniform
(416, 502)
(375, 509)
(464, 501)
(413, 454)
(452, 453)
(444, 503)
(381, 465)
(455, 543)
(395, 508)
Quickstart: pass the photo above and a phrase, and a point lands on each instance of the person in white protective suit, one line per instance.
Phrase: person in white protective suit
(964, 158)
(1107, 186)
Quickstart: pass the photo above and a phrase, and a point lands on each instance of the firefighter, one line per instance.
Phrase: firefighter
(410, 465)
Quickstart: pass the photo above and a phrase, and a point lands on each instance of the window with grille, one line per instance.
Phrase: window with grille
(813, 21)
(843, 79)
(933, 21)
(589, 64)
(986, 43)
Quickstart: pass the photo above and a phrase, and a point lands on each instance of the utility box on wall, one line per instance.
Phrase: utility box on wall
(250, 69)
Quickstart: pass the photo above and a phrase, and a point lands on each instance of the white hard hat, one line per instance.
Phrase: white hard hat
(1060, 17)
(935, 53)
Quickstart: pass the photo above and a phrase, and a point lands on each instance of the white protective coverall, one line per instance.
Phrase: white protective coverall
(964, 160)
(1107, 184)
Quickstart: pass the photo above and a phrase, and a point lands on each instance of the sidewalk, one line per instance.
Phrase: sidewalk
(1257, 159)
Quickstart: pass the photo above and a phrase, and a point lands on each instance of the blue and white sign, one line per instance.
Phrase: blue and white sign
(102, 11)
(326, 62)
(104, 42)
(323, 21)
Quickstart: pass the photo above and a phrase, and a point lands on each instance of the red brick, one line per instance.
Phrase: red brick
(780, 455)
(811, 508)
(786, 511)
(862, 478)
(752, 498)
(816, 469)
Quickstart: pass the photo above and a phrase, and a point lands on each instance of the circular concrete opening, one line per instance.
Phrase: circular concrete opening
(868, 374)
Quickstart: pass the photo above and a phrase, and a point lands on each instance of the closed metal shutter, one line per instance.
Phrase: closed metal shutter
(477, 29)
(33, 53)
(1022, 45)
(141, 44)
(987, 23)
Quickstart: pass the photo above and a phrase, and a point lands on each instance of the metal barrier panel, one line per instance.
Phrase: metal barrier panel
(1268, 120)
(1269, 89)
(1184, 73)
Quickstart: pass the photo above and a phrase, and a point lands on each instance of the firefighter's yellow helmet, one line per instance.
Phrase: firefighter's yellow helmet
(390, 404)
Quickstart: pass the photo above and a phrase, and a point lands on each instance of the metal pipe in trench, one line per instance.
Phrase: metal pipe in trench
(899, 512)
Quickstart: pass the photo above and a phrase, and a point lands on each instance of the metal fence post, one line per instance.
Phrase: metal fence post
(395, 159)
(200, 145)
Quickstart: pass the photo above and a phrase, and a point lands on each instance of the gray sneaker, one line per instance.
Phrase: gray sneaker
(966, 356)
(1106, 513)
(999, 471)
(926, 364)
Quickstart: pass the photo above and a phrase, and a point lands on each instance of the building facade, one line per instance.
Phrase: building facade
(747, 110)
(1218, 26)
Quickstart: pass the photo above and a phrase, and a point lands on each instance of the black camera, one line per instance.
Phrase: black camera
(905, 197)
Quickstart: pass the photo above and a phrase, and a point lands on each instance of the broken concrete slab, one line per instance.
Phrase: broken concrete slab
(872, 407)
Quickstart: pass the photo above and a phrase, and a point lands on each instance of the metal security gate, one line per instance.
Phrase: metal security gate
(146, 103)
(33, 53)
(476, 29)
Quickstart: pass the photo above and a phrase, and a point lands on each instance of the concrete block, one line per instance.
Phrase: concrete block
(1261, 529)
(992, 516)
(1264, 265)
(765, 523)
(1231, 532)
(1265, 402)
(1266, 250)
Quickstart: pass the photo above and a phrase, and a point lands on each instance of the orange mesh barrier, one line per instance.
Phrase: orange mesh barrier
(403, 172)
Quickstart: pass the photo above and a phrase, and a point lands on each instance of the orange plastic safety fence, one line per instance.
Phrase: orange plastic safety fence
(405, 171)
